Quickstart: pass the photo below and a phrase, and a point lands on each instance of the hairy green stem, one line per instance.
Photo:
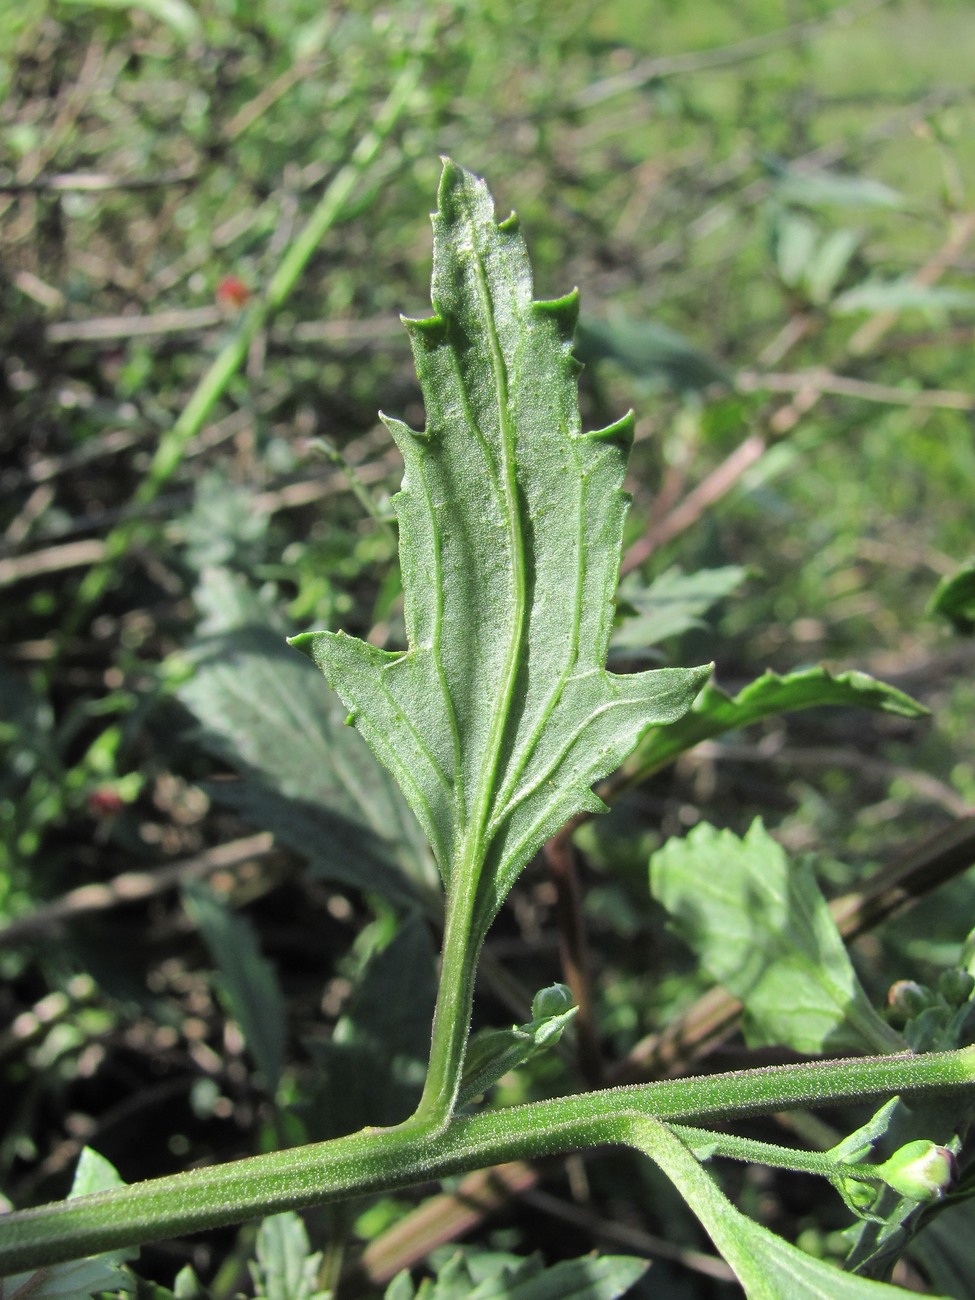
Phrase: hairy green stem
(416, 1151)
(731, 1147)
(455, 996)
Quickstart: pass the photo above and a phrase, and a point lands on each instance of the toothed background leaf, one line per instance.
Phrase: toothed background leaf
(499, 716)
(761, 927)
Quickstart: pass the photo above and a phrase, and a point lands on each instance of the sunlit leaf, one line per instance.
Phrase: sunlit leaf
(762, 929)
(714, 712)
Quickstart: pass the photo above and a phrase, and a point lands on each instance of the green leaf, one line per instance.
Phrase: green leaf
(305, 776)
(901, 295)
(674, 603)
(946, 1249)
(94, 1174)
(600, 1278)
(285, 1269)
(649, 351)
(491, 1053)
(178, 15)
(762, 929)
(247, 981)
(714, 712)
(954, 599)
(827, 267)
(767, 1267)
(493, 1276)
(371, 1071)
(826, 189)
(794, 240)
(499, 716)
(80, 1278)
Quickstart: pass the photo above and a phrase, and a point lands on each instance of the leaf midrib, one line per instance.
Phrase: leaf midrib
(473, 850)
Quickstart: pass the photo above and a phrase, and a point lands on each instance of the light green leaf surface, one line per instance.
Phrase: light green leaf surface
(499, 716)
(762, 929)
(94, 1174)
(767, 1267)
(714, 712)
(285, 1269)
(247, 980)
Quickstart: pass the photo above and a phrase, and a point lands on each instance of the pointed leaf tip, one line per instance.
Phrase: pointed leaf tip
(500, 715)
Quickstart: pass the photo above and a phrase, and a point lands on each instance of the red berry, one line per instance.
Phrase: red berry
(232, 292)
(105, 802)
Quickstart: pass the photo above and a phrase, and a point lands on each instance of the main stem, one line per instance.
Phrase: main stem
(386, 1159)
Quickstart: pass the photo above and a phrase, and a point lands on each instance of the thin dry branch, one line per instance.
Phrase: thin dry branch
(135, 886)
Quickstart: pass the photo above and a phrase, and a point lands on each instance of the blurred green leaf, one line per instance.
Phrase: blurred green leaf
(285, 1269)
(247, 982)
(762, 929)
(78, 1279)
(954, 599)
(178, 15)
(901, 295)
(672, 604)
(493, 1276)
(372, 1070)
(826, 189)
(649, 351)
(306, 776)
(794, 240)
(829, 263)
(94, 1174)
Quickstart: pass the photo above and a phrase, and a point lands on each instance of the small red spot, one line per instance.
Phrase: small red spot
(105, 802)
(232, 292)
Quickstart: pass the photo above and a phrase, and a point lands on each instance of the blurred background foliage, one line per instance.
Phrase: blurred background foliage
(209, 897)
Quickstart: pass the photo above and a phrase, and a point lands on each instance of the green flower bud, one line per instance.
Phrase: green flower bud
(907, 999)
(920, 1170)
(956, 986)
(555, 1000)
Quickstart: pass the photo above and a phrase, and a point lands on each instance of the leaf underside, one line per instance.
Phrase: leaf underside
(500, 716)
